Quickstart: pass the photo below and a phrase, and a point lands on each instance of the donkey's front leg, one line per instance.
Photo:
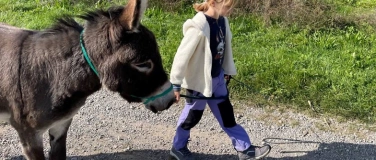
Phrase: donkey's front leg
(58, 140)
(32, 145)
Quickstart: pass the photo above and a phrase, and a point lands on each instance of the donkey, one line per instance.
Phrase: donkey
(46, 76)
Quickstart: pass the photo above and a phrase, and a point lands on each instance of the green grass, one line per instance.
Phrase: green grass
(333, 68)
(39, 14)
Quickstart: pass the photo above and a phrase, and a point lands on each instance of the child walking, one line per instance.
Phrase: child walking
(202, 63)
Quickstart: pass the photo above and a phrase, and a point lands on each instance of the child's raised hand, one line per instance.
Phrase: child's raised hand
(177, 96)
(227, 77)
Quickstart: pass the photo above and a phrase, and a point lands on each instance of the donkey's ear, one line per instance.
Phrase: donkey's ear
(132, 14)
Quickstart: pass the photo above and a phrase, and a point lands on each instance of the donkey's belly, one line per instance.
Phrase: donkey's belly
(4, 117)
(4, 113)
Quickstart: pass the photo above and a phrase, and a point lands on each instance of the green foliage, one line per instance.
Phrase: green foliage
(332, 67)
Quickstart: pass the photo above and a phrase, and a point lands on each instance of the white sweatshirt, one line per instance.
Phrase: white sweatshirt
(193, 60)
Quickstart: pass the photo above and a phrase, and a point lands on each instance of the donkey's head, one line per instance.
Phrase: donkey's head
(126, 55)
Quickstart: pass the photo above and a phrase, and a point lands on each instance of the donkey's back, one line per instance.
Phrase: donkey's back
(11, 38)
(8, 28)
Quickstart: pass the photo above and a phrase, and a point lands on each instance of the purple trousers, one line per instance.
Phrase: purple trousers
(222, 110)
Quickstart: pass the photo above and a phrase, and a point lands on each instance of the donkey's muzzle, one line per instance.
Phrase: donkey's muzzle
(163, 106)
(162, 100)
(152, 108)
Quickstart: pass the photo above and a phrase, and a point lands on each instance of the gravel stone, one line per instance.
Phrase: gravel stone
(109, 128)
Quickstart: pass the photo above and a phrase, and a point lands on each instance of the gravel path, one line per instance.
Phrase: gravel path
(108, 127)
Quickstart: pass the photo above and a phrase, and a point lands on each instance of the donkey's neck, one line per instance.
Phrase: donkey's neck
(57, 59)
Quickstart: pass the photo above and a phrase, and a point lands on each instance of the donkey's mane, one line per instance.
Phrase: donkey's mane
(66, 22)
(103, 15)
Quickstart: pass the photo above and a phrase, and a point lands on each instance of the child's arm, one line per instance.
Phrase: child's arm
(184, 53)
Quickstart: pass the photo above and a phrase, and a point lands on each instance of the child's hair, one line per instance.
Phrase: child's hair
(204, 6)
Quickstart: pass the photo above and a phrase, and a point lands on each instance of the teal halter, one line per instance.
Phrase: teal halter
(152, 98)
(87, 58)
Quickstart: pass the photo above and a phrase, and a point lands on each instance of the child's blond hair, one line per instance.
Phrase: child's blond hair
(204, 6)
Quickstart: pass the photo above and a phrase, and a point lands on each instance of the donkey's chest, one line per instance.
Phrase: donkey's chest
(45, 114)
(60, 115)
(68, 107)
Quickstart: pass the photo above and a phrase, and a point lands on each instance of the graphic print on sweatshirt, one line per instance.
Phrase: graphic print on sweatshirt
(220, 49)
(217, 43)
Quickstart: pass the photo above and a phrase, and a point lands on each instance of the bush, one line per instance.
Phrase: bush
(304, 14)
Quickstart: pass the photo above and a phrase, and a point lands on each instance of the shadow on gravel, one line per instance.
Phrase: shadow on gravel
(147, 155)
(325, 151)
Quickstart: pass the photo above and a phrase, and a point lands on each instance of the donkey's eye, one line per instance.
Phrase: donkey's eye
(145, 67)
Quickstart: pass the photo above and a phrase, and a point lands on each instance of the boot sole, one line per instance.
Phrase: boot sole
(265, 154)
(172, 156)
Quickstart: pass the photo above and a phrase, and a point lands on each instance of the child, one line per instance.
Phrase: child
(202, 63)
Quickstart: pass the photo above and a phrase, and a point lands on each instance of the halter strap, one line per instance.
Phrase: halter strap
(87, 58)
(152, 98)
